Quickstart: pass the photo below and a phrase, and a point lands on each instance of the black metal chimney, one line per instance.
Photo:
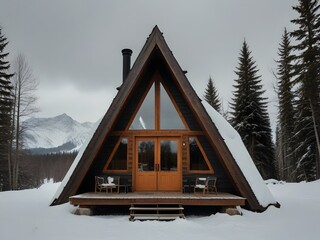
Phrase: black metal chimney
(126, 53)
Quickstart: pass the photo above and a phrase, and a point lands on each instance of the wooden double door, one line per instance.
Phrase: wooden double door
(158, 164)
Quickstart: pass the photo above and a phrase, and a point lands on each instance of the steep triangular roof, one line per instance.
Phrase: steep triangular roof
(257, 195)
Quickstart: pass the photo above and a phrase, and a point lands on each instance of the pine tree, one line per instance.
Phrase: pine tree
(307, 70)
(211, 95)
(285, 140)
(5, 113)
(250, 117)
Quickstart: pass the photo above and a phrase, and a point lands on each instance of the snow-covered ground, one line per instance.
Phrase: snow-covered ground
(26, 215)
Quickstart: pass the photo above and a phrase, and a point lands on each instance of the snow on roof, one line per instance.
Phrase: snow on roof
(76, 161)
(233, 142)
(240, 154)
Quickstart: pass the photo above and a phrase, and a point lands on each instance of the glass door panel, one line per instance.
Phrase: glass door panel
(146, 156)
(168, 155)
(145, 117)
(146, 176)
(169, 174)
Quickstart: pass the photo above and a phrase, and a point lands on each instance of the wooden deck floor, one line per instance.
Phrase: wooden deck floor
(192, 199)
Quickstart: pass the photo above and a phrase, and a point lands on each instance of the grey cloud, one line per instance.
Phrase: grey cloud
(81, 41)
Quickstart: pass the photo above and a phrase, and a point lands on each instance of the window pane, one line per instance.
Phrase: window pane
(197, 161)
(169, 117)
(119, 159)
(146, 156)
(169, 156)
(145, 117)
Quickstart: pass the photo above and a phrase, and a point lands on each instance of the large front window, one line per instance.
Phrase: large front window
(158, 120)
(157, 111)
(145, 117)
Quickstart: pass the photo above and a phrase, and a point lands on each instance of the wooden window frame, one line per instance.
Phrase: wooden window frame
(211, 171)
(138, 108)
(105, 168)
(156, 80)
(174, 105)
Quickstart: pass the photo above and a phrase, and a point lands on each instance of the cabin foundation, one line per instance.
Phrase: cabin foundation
(83, 210)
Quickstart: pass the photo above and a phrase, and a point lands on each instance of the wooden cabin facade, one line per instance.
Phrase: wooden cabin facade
(157, 137)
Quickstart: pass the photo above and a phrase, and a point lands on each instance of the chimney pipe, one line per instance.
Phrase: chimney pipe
(126, 53)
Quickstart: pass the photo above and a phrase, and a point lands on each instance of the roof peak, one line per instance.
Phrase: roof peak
(155, 31)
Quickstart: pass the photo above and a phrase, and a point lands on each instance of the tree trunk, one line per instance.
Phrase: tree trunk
(16, 172)
(10, 158)
(317, 139)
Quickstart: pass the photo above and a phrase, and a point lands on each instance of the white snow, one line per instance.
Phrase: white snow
(55, 131)
(26, 215)
(241, 155)
(76, 161)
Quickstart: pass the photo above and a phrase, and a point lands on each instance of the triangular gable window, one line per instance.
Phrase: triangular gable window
(198, 160)
(118, 159)
(157, 103)
(169, 117)
(145, 117)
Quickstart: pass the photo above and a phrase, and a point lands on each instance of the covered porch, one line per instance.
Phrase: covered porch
(187, 199)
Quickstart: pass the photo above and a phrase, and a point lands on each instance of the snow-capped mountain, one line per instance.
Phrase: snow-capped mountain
(56, 134)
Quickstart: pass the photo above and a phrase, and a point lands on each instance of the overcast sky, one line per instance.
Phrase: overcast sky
(74, 47)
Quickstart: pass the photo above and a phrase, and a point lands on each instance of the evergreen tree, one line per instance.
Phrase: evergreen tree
(211, 95)
(307, 70)
(5, 113)
(250, 117)
(285, 143)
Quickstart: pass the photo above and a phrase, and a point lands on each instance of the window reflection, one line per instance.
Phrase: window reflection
(169, 158)
(146, 156)
(145, 117)
(169, 117)
(197, 161)
(119, 159)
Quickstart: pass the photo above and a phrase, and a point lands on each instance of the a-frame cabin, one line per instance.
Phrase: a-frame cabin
(158, 136)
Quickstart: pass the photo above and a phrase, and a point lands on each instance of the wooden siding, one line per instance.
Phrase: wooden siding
(130, 154)
(184, 156)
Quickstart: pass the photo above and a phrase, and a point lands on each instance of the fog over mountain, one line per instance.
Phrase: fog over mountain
(56, 134)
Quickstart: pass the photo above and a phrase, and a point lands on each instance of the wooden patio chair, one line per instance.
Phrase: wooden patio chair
(100, 184)
(113, 182)
(212, 185)
(206, 184)
(188, 185)
(125, 184)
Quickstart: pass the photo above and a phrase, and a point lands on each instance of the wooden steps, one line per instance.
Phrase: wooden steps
(159, 211)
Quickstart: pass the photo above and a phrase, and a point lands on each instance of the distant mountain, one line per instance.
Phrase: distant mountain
(56, 134)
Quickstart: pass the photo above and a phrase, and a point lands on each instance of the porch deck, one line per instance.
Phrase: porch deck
(192, 199)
